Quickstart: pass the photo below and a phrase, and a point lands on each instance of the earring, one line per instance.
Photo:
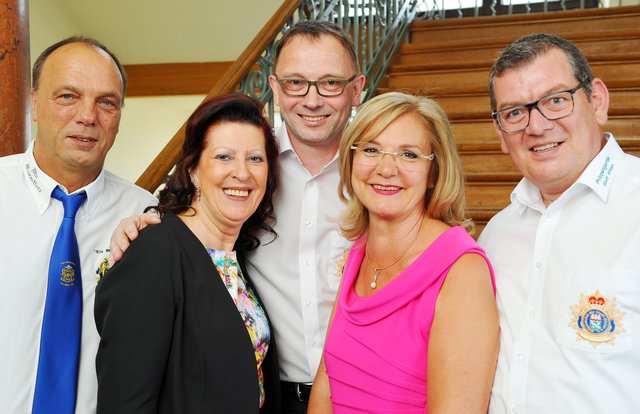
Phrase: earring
(194, 181)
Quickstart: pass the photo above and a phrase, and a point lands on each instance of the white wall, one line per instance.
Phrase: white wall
(151, 31)
(147, 125)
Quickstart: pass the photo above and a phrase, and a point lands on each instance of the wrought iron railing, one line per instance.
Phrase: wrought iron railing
(378, 27)
(444, 9)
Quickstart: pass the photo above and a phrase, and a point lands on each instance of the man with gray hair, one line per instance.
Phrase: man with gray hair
(57, 212)
(565, 251)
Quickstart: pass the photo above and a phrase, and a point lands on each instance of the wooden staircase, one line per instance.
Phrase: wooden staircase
(449, 60)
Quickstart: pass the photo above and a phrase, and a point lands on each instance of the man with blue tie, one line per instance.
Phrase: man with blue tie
(56, 215)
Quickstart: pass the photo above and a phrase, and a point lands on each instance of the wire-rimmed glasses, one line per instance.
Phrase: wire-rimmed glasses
(370, 154)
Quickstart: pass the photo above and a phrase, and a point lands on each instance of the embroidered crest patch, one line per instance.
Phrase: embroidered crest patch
(68, 274)
(102, 269)
(597, 319)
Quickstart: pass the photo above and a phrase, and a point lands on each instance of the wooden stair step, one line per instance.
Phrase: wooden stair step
(588, 39)
(489, 166)
(461, 107)
(481, 135)
(479, 226)
(562, 23)
(616, 74)
(611, 49)
(487, 198)
(622, 103)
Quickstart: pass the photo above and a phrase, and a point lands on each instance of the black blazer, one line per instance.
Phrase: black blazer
(172, 340)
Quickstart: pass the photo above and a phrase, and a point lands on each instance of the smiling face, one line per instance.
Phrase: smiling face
(232, 173)
(314, 120)
(77, 109)
(552, 154)
(387, 192)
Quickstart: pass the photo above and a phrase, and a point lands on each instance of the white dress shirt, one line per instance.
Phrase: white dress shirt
(548, 262)
(296, 274)
(29, 222)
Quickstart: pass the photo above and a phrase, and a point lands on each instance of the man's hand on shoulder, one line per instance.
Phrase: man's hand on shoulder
(127, 231)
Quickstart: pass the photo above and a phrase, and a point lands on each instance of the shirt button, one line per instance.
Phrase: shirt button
(310, 184)
(532, 314)
(538, 265)
(308, 224)
(306, 262)
(312, 342)
(515, 410)
(308, 303)
(519, 356)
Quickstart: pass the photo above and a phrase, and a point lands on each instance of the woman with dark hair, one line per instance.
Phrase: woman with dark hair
(182, 330)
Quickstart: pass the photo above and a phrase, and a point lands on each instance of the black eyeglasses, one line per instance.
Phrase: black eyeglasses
(553, 106)
(325, 87)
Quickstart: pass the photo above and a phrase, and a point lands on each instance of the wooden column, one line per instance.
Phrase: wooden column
(14, 76)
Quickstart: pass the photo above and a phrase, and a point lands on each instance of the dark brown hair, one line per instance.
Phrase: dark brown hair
(314, 29)
(178, 194)
(527, 48)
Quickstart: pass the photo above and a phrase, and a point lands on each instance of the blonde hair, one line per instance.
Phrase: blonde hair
(444, 200)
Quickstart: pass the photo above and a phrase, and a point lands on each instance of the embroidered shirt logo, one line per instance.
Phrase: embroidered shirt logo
(68, 274)
(597, 319)
(102, 269)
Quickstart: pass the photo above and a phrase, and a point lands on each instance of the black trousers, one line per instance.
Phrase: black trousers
(295, 397)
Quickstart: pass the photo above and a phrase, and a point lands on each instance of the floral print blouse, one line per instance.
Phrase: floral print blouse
(250, 309)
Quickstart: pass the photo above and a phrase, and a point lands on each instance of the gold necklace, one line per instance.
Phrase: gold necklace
(377, 270)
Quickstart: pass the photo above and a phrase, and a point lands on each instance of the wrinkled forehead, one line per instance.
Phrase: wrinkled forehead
(82, 61)
(551, 62)
(548, 72)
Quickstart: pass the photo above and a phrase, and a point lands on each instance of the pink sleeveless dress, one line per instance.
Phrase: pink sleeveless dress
(376, 349)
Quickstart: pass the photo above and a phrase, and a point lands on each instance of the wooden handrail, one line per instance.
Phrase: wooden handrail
(155, 173)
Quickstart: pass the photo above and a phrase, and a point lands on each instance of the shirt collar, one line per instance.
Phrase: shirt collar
(602, 170)
(597, 177)
(284, 142)
(41, 186)
(526, 195)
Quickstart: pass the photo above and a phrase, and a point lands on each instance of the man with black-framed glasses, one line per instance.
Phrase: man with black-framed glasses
(316, 82)
(566, 250)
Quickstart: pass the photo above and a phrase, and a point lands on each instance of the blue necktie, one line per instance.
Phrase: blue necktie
(57, 378)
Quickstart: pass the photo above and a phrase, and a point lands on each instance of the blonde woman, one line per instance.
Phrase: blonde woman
(415, 325)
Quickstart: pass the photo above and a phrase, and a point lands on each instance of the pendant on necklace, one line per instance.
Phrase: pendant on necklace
(374, 284)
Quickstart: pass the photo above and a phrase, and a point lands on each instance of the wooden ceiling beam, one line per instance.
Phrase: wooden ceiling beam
(194, 78)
